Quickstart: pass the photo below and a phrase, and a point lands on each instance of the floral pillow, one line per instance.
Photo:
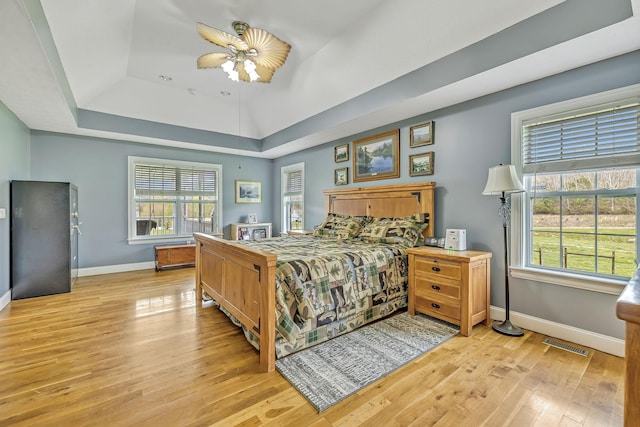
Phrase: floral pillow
(341, 226)
(404, 230)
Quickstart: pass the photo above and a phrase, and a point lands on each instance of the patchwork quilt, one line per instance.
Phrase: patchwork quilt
(326, 287)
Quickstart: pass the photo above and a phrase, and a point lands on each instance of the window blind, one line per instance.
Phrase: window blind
(294, 183)
(609, 137)
(154, 180)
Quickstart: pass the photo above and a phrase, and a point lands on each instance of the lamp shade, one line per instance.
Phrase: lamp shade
(502, 179)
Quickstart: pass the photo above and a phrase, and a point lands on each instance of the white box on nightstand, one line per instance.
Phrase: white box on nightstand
(456, 239)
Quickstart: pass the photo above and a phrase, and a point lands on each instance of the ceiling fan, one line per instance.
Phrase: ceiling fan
(254, 54)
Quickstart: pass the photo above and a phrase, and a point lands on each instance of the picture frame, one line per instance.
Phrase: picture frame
(259, 233)
(376, 157)
(243, 234)
(341, 176)
(421, 134)
(248, 191)
(421, 164)
(252, 218)
(341, 153)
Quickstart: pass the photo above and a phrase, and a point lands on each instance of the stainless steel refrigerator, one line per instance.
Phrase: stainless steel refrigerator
(44, 238)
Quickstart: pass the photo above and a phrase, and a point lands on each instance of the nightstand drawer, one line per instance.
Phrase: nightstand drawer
(426, 287)
(437, 308)
(435, 267)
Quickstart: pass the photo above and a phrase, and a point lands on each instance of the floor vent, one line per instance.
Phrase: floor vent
(567, 347)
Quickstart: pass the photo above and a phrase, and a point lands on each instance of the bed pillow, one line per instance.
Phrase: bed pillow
(404, 230)
(341, 226)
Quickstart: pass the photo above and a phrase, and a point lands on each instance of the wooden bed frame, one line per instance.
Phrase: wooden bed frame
(242, 279)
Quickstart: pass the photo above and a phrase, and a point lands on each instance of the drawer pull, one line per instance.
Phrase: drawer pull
(435, 287)
(435, 268)
(434, 305)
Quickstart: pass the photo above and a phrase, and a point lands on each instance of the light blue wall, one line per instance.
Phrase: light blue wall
(99, 168)
(470, 138)
(14, 164)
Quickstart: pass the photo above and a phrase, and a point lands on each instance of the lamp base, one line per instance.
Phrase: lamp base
(507, 328)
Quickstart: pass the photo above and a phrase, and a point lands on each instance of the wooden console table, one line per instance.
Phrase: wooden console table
(628, 309)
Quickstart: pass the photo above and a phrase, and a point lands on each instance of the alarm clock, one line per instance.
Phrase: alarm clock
(434, 241)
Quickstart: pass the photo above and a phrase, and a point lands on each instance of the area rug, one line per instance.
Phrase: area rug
(331, 371)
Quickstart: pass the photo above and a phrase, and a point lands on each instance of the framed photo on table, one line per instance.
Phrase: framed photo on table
(259, 233)
(377, 157)
(248, 191)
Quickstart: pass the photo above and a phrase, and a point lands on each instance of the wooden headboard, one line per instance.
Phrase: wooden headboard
(384, 201)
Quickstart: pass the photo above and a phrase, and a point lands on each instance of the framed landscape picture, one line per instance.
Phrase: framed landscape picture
(377, 157)
(421, 134)
(341, 153)
(341, 176)
(421, 164)
(248, 191)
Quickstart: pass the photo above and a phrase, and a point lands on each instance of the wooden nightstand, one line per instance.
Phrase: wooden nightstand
(451, 285)
(299, 232)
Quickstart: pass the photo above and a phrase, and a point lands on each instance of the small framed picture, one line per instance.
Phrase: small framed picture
(341, 153)
(341, 176)
(243, 234)
(259, 233)
(248, 191)
(421, 164)
(421, 134)
(252, 218)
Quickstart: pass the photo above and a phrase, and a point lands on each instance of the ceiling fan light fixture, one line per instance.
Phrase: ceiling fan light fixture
(254, 54)
(230, 68)
(239, 27)
(250, 68)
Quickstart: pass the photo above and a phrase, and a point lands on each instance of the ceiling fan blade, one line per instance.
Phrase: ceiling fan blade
(265, 73)
(220, 38)
(272, 52)
(212, 60)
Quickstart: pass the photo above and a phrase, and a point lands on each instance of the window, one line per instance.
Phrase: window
(580, 163)
(171, 200)
(292, 178)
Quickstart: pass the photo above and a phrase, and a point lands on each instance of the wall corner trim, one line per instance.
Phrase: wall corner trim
(5, 299)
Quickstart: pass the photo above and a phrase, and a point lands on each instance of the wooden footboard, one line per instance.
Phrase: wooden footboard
(242, 281)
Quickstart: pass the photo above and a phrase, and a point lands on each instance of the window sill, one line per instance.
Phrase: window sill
(605, 286)
(153, 241)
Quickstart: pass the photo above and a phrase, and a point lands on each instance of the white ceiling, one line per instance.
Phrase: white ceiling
(112, 52)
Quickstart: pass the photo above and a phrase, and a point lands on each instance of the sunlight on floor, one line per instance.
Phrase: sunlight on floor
(164, 303)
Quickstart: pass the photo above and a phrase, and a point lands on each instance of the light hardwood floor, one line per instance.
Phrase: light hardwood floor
(137, 349)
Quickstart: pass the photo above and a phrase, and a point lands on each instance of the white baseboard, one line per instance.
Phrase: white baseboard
(590, 339)
(93, 271)
(120, 268)
(5, 299)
